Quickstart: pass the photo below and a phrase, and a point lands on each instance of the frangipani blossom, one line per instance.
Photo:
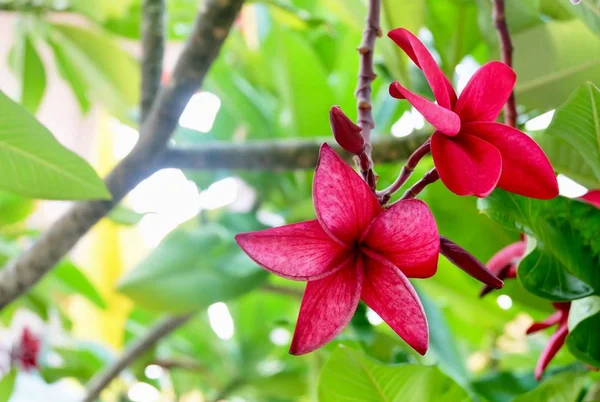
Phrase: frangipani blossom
(472, 153)
(354, 250)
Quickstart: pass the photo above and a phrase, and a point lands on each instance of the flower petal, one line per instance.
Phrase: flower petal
(467, 165)
(547, 323)
(486, 93)
(344, 203)
(443, 119)
(525, 168)
(389, 293)
(416, 50)
(510, 254)
(406, 235)
(327, 307)
(300, 251)
(557, 340)
(592, 197)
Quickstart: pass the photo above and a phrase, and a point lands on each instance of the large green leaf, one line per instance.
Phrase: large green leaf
(556, 58)
(28, 67)
(587, 11)
(573, 138)
(584, 327)
(564, 387)
(111, 74)
(563, 262)
(193, 267)
(349, 376)
(7, 385)
(71, 74)
(34, 164)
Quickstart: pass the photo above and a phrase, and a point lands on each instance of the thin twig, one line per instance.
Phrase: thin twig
(430, 177)
(283, 290)
(405, 173)
(278, 155)
(506, 48)
(104, 378)
(153, 49)
(201, 49)
(366, 75)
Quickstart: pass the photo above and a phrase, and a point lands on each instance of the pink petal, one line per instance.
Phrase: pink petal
(592, 197)
(327, 307)
(300, 251)
(547, 323)
(416, 50)
(554, 344)
(467, 165)
(486, 93)
(390, 294)
(344, 203)
(443, 119)
(525, 168)
(406, 235)
(507, 256)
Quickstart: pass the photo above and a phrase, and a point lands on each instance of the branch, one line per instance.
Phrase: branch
(153, 49)
(366, 75)
(430, 177)
(506, 48)
(202, 47)
(104, 378)
(283, 290)
(278, 155)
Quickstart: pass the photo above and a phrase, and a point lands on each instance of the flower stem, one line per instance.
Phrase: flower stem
(506, 48)
(366, 75)
(430, 177)
(407, 170)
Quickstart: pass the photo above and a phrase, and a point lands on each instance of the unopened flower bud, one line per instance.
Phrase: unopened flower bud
(346, 133)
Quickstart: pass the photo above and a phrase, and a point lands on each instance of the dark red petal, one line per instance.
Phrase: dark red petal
(344, 203)
(406, 235)
(556, 342)
(390, 294)
(327, 307)
(506, 256)
(471, 265)
(525, 168)
(301, 251)
(442, 119)
(416, 50)
(486, 93)
(547, 323)
(592, 197)
(467, 165)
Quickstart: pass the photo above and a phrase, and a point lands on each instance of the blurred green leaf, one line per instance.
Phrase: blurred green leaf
(504, 386)
(126, 216)
(36, 165)
(109, 72)
(349, 376)
(560, 388)
(71, 74)
(571, 140)
(73, 280)
(584, 327)
(13, 209)
(556, 9)
(101, 10)
(563, 264)
(520, 15)
(587, 11)
(560, 56)
(193, 267)
(7, 385)
(27, 66)
(80, 361)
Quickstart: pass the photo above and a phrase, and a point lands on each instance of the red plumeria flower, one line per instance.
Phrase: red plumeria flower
(28, 350)
(592, 197)
(354, 250)
(504, 263)
(472, 153)
(557, 340)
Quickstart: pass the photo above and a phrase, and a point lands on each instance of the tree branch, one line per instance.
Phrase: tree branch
(202, 47)
(278, 155)
(506, 48)
(104, 378)
(366, 75)
(153, 49)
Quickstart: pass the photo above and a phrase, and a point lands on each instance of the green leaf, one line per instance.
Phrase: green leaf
(13, 209)
(7, 385)
(587, 11)
(305, 92)
(504, 386)
(36, 165)
(28, 67)
(193, 267)
(560, 56)
(584, 327)
(101, 10)
(80, 361)
(72, 75)
(575, 127)
(520, 15)
(562, 262)
(75, 281)
(111, 74)
(564, 387)
(349, 376)
(126, 216)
